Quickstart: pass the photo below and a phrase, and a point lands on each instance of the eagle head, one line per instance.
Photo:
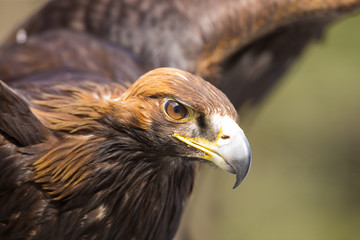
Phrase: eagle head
(180, 114)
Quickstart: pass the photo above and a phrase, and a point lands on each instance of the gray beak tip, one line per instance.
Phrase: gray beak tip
(242, 166)
(241, 173)
(240, 177)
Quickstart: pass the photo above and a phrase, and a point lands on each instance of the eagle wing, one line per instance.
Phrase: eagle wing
(241, 46)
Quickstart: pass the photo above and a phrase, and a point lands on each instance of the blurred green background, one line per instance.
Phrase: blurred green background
(305, 178)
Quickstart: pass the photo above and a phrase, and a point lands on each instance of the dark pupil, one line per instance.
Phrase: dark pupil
(177, 108)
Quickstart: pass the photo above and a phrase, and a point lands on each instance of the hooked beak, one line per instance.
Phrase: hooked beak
(231, 150)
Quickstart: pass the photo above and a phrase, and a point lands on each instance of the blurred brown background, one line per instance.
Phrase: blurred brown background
(305, 177)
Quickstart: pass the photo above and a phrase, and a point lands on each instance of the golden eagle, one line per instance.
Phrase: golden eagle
(92, 146)
(83, 159)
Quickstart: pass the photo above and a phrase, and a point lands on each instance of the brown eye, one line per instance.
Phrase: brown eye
(176, 110)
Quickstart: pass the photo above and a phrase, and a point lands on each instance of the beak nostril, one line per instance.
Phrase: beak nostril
(224, 137)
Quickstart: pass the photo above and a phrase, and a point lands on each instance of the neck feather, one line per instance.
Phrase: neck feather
(136, 194)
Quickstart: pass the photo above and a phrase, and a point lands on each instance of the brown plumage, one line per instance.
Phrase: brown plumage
(242, 47)
(86, 151)
(104, 162)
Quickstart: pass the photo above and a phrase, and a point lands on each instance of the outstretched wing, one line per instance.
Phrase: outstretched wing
(241, 46)
(77, 55)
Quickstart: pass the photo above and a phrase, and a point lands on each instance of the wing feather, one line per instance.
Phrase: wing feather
(17, 123)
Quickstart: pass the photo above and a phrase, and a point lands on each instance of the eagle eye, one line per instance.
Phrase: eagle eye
(176, 110)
